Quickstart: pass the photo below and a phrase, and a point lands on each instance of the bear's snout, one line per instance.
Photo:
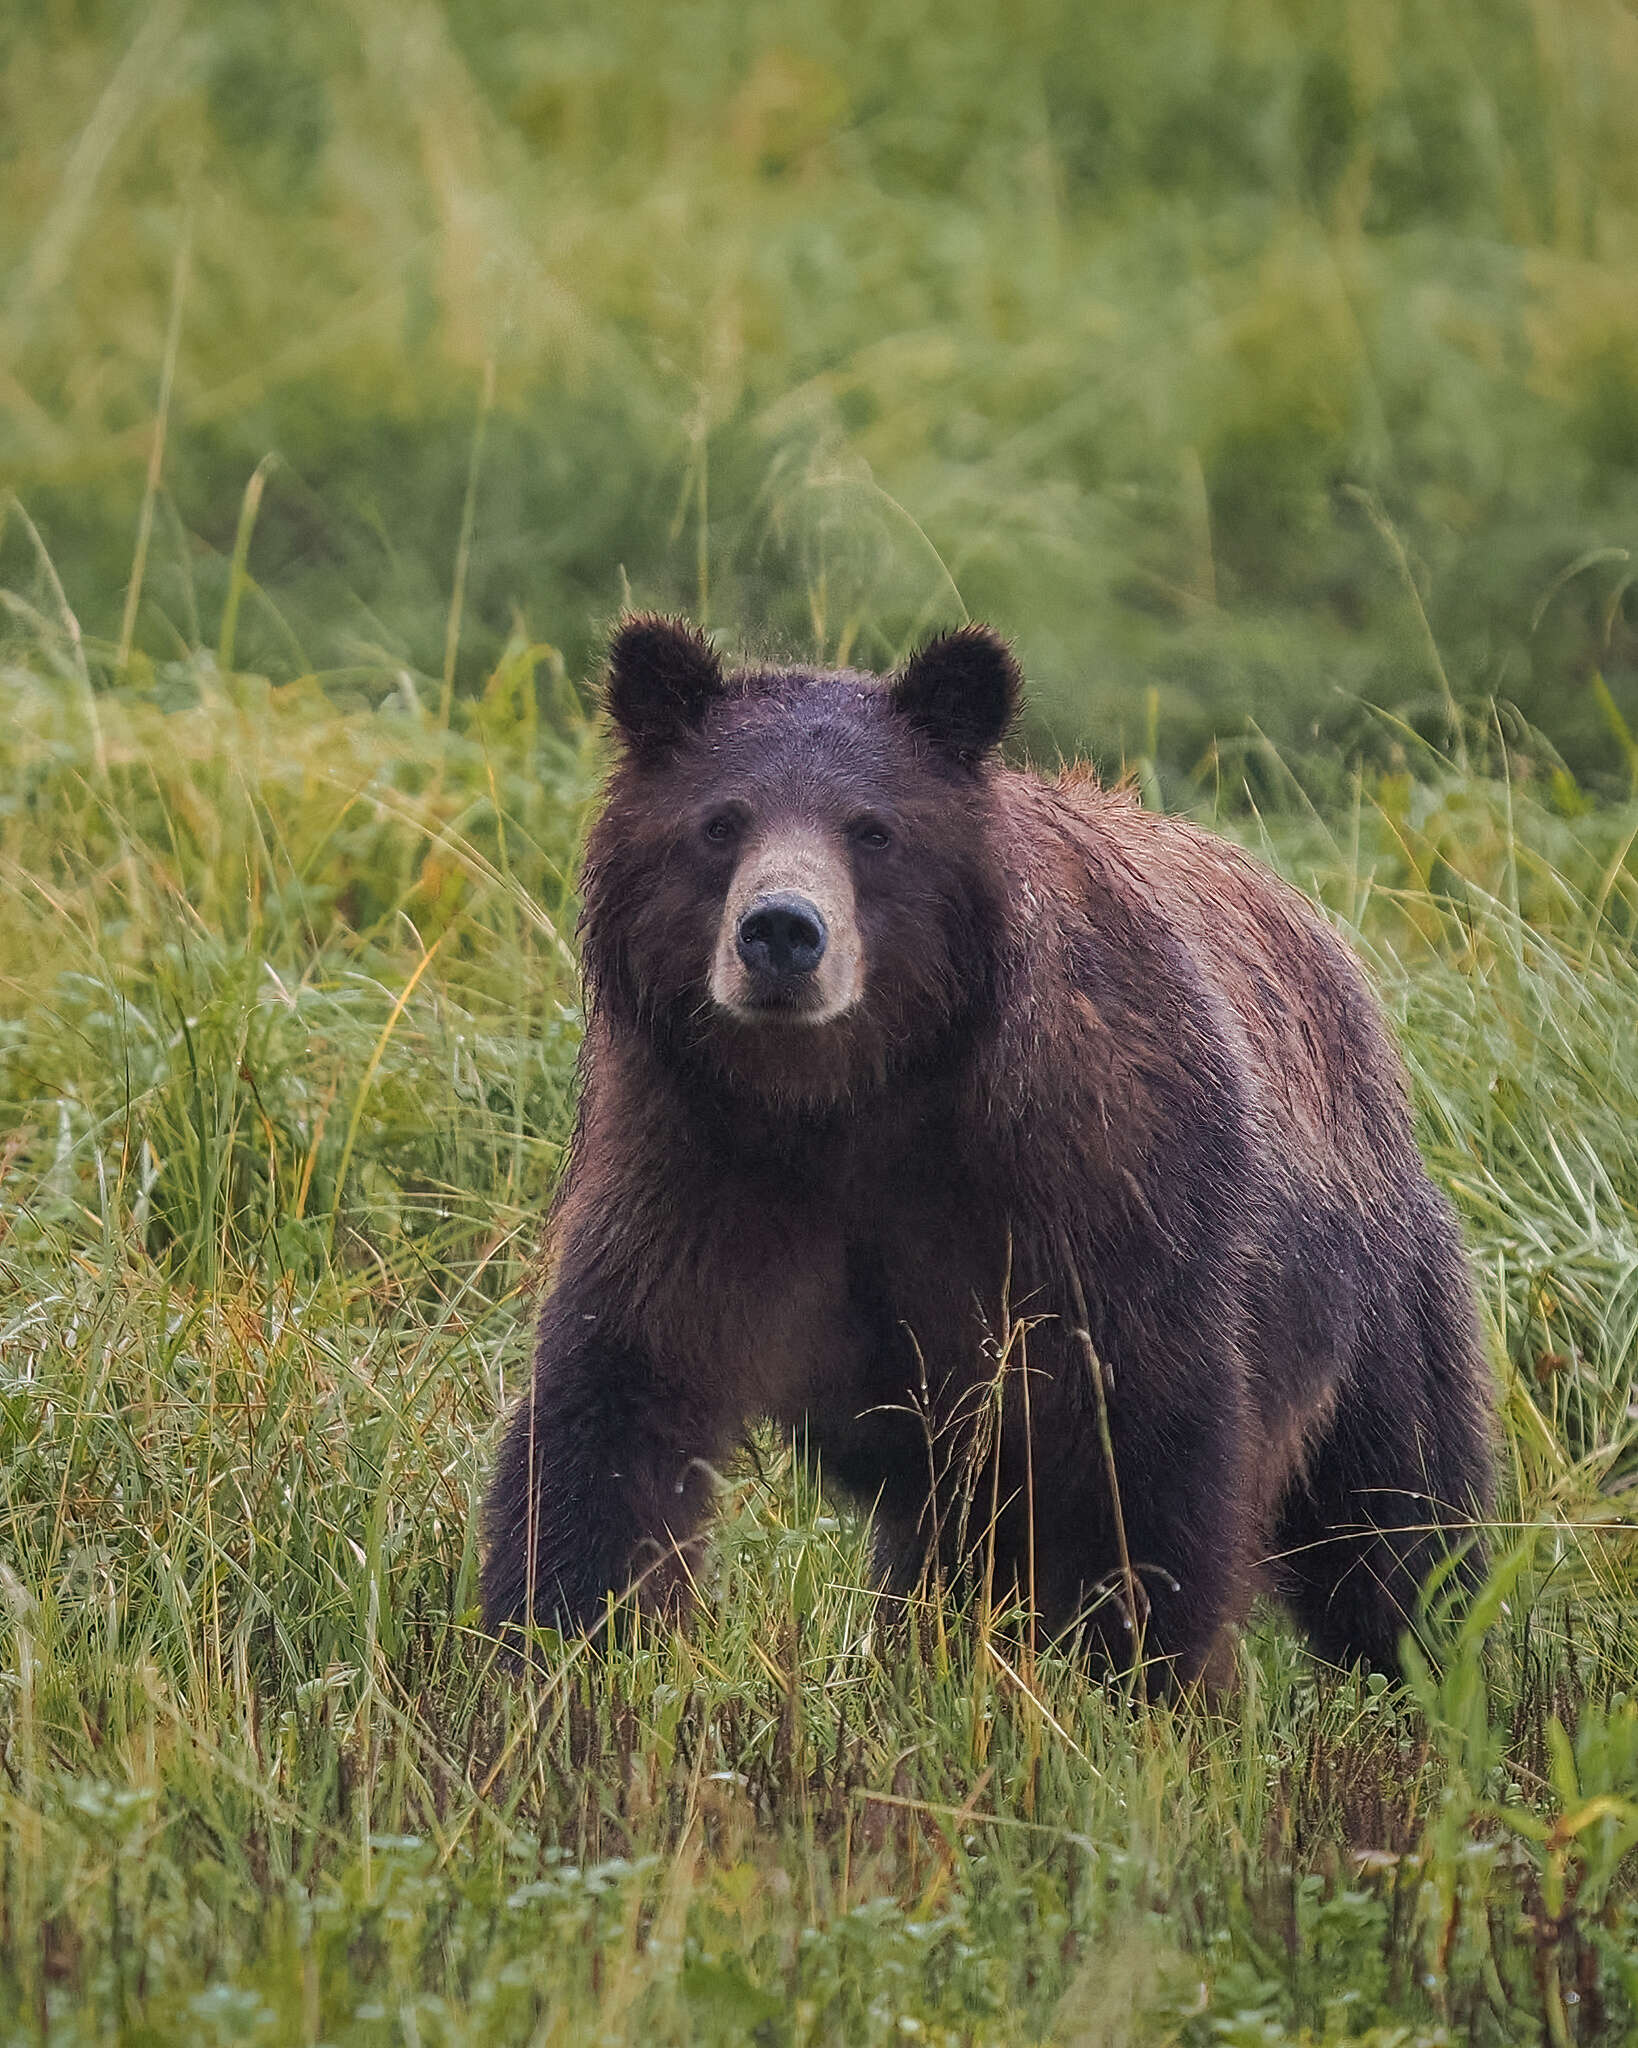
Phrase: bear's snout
(788, 949)
(781, 936)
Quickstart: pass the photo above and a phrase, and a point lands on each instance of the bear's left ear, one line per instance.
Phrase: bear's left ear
(961, 690)
(663, 676)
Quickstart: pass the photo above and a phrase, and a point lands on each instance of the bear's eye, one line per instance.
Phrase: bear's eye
(871, 833)
(722, 828)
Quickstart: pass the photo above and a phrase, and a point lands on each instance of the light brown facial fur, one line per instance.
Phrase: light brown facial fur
(803, 862)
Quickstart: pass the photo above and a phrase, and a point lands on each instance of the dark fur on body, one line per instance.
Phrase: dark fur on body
(1095, 1056)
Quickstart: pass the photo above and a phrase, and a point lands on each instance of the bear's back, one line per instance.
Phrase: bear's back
(1306, 1027)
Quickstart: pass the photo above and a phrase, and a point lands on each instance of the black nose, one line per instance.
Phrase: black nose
(782, 936)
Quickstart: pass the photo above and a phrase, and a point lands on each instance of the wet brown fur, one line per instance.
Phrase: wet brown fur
(1094, 1046)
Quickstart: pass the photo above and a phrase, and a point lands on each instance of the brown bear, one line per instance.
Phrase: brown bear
(1041, 1160)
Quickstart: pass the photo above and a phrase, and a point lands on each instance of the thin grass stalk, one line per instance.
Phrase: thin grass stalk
(156, 447)
(463, 547)
(249, 506)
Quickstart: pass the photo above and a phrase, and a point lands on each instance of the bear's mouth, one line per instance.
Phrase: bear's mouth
(775, 1004)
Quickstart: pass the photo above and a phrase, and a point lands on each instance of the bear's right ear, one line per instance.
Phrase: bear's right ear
(663, 677)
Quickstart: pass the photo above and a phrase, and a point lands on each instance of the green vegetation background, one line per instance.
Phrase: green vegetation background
(811, 317)
(1271, 373)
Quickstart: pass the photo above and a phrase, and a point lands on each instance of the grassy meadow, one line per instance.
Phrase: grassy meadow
(1271, 373)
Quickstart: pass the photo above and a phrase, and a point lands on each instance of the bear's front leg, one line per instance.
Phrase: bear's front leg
(603, 1478)
(1184, 1514)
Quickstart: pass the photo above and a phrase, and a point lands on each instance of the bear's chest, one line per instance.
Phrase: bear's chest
(823, 1296)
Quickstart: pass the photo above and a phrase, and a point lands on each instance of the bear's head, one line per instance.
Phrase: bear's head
(791, 886)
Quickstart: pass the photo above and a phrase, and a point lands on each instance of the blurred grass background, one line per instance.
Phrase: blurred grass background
(1137, 333)
(1271, 373)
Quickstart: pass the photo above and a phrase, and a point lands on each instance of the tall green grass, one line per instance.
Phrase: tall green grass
(289, 1011)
